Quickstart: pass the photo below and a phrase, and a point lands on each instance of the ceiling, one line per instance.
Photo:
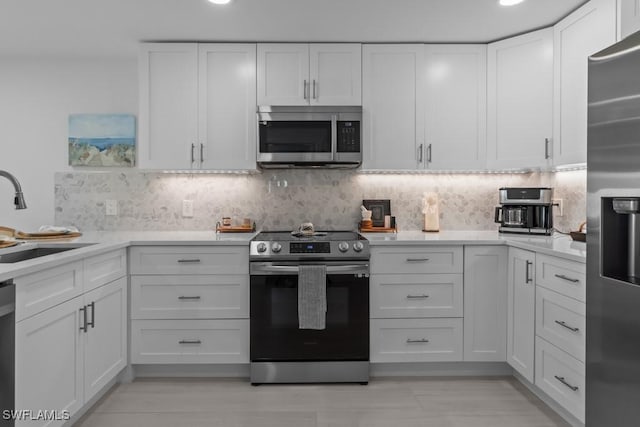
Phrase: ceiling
(114, 27)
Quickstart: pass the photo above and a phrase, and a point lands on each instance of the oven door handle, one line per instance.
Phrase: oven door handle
(294, 269)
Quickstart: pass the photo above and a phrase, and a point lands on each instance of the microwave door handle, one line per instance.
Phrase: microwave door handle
(334, 136)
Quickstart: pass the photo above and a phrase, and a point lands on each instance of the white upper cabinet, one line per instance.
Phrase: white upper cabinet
(197, 106)
(629, 17)
(424, 107)
(309, 74)
(335, 71)
(583, 33)
(520, 101)
(168, 79)
(455, 97)
(393, 106)
(227, 106)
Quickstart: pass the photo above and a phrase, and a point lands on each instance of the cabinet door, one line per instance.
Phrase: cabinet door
(168, 105)
(283, 74)
(227, 113)
(485, 303)
(521, 312)
(393, 106)
(335, 74)
(49, 362)
(583, 33)
(629, 17)
(105, 342)
(456, 92)
(520, 101)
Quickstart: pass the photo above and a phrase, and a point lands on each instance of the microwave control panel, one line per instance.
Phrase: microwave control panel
(348, 137)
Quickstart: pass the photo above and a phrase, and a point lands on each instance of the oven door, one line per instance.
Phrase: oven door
(275, 335)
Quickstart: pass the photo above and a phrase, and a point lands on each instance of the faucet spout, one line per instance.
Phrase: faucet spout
(19, 198)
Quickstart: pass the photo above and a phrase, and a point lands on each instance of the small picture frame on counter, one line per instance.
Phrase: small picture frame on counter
(379, 208)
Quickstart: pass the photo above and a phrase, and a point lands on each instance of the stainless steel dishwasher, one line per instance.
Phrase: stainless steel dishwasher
(7, 351)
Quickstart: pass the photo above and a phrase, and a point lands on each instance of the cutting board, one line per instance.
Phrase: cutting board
(45, 235)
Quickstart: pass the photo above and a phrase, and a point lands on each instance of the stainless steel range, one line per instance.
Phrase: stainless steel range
(309, 307)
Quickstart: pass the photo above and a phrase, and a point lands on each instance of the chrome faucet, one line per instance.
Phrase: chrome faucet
(19, 199)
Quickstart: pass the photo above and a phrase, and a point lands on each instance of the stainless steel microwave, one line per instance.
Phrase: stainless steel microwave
(309, 136)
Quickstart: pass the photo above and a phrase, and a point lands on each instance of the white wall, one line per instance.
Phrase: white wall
(36, 98)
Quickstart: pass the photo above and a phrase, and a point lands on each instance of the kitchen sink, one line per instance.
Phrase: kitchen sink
(12, 257)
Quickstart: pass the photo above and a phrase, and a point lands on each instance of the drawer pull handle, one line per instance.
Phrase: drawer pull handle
(92, 323)
(568, 279)
(189, 342)
(420, 341)
(417, 259)
(564, 325)
(423, 296)
(563, 381)
(83, 319)
(189, 261)
(189, 298)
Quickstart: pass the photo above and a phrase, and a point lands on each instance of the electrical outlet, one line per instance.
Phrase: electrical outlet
(187, 208)
(111, 207)
(559, 208)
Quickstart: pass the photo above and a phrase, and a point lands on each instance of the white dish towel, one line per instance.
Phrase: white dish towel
(312, 297)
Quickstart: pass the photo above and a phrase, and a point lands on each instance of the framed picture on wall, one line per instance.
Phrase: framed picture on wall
(102, 140)
(379, 208)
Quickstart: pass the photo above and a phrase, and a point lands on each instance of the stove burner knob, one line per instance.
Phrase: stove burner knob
(262, 247)
(276, 247)
(343, 246)
(358, 246)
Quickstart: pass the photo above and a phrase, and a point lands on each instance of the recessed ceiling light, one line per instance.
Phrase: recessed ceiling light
(504, 2)
(219, 1)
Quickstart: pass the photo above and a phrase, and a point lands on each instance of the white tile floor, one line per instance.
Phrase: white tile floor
(424, 402)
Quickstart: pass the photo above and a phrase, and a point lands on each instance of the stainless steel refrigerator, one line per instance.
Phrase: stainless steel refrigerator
(613, 237)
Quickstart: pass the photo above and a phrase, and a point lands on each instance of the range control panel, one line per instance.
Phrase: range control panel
(309, 248)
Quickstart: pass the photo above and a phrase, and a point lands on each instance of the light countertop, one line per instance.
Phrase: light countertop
(96, 242)
(559, 245)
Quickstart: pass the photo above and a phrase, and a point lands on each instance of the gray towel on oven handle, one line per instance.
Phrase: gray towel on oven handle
(312, 296)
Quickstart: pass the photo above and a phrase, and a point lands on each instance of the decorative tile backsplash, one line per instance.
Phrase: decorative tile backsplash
(282, 199)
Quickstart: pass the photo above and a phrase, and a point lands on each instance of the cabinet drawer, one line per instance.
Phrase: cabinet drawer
(561, 275)
(561, 377)
(105, 268)
(416, 340)
(189, 260)
(416, 295)
(416, 260)
(190, 341)
(39, 291)
(561, 321)
(190, 297)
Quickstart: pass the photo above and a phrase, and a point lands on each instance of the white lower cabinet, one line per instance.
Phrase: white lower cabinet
(105, 350)
(416, 340)
(561, 321)
(416, 303)
(561, 376)
(560, 331)
(190, 341)
(521, 312)
(69, 352)
(416, 295)
(49, 362)
(189, 305)
(485, 303)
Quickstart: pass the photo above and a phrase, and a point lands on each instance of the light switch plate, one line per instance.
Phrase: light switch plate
(187, 208)
(559, 208)
(111, 207)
